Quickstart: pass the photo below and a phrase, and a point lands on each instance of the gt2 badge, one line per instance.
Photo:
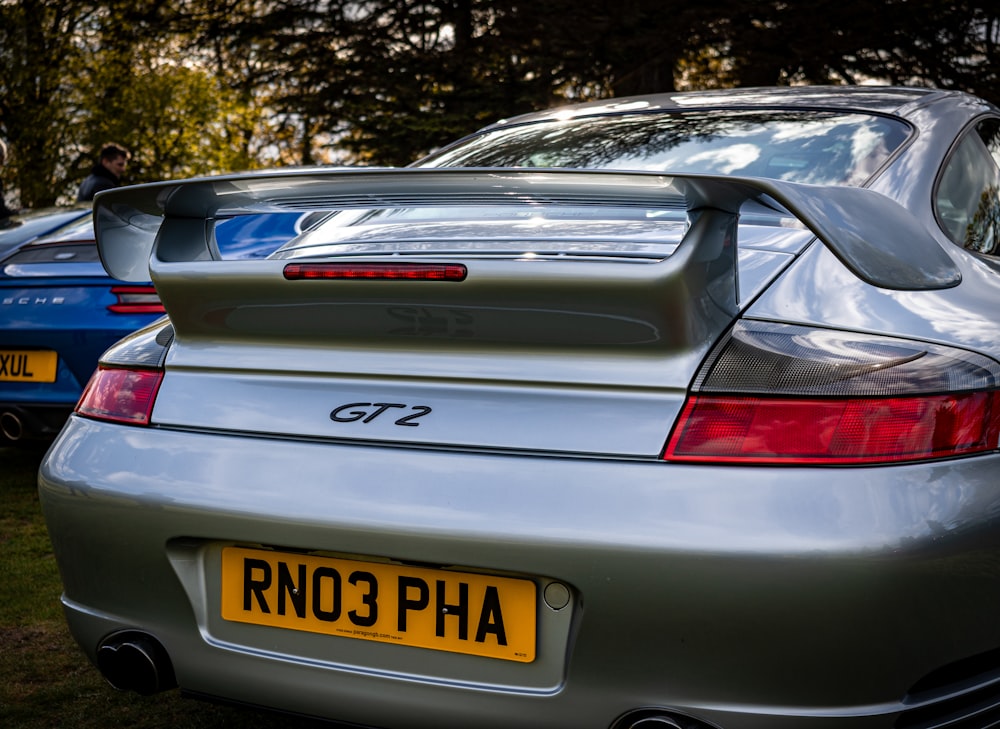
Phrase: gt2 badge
(366, 412)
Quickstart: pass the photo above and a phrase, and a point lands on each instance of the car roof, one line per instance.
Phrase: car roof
(80, 229)
(899, 101)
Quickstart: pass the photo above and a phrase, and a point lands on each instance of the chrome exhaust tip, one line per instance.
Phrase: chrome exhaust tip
(655, 722)
(11, 425)
(652, 718)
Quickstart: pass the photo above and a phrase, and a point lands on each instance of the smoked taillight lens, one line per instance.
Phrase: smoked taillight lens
(875, 430)
(120, 395)
(780, 394)
(135, 300)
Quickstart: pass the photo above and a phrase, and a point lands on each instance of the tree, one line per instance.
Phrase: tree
(88, 74)
(938, 43)
(219, 85)
(39, 102)
(168, 107)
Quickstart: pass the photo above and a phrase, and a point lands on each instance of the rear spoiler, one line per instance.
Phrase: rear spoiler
(875, 237)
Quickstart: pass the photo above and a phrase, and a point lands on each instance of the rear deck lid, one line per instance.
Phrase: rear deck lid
(557, 311)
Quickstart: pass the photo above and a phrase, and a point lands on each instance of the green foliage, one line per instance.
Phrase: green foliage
(38, 49)
(176, 116)
(200, 86)
(177, 122)
(28, 569)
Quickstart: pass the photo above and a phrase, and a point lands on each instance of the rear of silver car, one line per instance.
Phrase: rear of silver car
(426, 469)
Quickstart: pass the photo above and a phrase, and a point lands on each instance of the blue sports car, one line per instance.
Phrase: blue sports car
(672, 412)
(28, 225)
(59, 310)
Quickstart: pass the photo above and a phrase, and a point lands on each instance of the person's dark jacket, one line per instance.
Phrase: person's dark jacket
(5, 212)
(100, 178)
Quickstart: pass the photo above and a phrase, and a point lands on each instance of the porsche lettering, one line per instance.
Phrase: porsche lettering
(26, 300)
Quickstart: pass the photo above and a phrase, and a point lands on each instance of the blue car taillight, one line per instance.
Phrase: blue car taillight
(781, 394)
(135, 300)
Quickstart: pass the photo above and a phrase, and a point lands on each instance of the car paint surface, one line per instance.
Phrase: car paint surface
(62, 305)
(512, 425)
(28, 225)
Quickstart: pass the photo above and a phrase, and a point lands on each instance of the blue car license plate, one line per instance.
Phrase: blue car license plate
(27, 366)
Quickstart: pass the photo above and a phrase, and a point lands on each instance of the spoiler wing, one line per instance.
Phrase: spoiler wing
(875, 237)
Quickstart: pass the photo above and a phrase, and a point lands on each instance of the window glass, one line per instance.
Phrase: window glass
(989, 132)
(968, 196)
(815, 147)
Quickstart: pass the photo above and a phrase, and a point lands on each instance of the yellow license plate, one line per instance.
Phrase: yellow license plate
(460, 612)
(27, 366)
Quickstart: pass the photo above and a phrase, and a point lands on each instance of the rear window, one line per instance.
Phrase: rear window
(825, 148)
(968, 195)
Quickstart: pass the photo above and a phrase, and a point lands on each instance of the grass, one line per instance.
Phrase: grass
(45, 680)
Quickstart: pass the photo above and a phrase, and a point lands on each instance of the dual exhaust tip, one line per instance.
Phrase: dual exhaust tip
(134, 661)
(658, 719)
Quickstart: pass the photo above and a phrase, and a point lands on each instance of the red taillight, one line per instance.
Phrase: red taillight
(120, 395)
(773, 393)
(377, 271)
(721, 429)
(136, 300)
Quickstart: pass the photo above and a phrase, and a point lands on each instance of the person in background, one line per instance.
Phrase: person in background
(5, 212)
(106, 173)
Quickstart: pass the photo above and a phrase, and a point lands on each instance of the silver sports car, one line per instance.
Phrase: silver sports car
(675, 411)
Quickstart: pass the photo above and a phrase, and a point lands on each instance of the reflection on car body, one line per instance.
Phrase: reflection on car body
(679, 411)
(59, 310)
(30, 224)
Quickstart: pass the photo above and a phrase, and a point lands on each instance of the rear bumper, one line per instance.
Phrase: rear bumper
(749, 598)
(32, 421)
